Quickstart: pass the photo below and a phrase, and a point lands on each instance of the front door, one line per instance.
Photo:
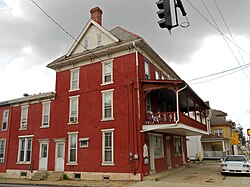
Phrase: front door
(168, 152)
(43, 160)
(59, 157)
(151, 154)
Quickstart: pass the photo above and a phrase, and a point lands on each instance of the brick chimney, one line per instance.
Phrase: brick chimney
(96, 15)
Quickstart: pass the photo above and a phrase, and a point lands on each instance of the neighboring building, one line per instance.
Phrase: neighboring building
(119, 112)
(219, 142)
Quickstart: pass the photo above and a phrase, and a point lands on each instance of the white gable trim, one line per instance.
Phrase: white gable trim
(115, 39)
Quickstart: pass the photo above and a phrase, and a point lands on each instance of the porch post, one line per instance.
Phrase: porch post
(223, 145)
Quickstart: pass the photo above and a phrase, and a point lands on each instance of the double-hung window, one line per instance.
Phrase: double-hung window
(218, 132)
(157, 74)
(107, 72)
(72, 155)
(24, 117)
(2, 150)
(108, 147)
(107, 104)
(25, 149)
(73, 109)
(74, 79)
(5, 119)
(46, 114)
(147, 69)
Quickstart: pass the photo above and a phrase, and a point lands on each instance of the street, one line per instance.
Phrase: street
(202, 174)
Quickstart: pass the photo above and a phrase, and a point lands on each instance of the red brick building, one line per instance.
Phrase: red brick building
(119, 112)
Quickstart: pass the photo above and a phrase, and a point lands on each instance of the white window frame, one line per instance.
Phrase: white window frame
(25, 149)
(74, 81)
(157, 74)
(110, 148)
(147, 69)
(75, 116)
(5, 120)
(86, 142)
(218, 132)
(177, 146)
(72, 148)
(104, 107)
(2, 149)
(24, 117)
(108, 63)
(99, 37)
(46, 112)
(158, 145)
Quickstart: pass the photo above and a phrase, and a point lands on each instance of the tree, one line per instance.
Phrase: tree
(242, 138)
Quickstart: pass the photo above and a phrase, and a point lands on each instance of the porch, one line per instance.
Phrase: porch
(171, 106)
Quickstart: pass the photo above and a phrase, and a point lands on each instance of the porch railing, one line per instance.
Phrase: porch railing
(171, 117)
(161, 118)
(215, 154)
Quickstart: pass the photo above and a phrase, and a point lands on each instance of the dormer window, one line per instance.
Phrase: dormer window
(99, 39)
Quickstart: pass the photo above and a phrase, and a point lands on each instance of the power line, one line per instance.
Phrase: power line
(216, 28)
(54, 21)
(222, 72)
(217, 6)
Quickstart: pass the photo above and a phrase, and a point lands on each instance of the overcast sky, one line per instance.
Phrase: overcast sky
(30, 40)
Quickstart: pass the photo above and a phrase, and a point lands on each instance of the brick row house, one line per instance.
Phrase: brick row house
(118, 112)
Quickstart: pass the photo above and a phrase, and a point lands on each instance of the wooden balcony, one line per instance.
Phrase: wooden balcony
(167, 122)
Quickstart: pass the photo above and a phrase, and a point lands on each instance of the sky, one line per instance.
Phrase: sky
(217, 40)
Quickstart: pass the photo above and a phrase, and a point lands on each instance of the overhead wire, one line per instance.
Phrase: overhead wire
(72, 37)
(230, 33)
(199, 12)
(217, 26)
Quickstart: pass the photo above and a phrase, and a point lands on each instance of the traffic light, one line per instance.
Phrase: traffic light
(248, 132)
(164, 14)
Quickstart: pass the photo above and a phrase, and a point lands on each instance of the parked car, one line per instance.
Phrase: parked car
(235, 164)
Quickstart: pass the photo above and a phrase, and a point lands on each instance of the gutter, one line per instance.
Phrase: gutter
(177, 103)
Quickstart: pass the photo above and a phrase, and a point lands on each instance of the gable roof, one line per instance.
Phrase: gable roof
(88, 25)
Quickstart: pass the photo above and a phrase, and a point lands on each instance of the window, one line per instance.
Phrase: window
(148, 103)
(86, 43)
(218, 132)
(107, 104)
(147, 69)
(157, 74)
(84, 142)
(107, 147)
(24, 117)
(163, 76)
(25, 149)
(72, 157)
(107, 72)
(158, 146)
(99, 39)
(46, 114)
(74, 80)
(177, 145)
(5, 120)
(2, 150)
(73, 110)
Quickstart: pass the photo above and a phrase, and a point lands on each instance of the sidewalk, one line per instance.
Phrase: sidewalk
(72, 183)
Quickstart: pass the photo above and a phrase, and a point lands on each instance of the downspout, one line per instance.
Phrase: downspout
(177, 103)
(139, 109)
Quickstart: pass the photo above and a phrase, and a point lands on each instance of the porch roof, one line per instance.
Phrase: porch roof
(150, 85)
(212, 138)
(177, 129)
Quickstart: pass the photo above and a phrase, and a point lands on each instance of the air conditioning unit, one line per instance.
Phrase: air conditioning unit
(24, 125)
(73, 119)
